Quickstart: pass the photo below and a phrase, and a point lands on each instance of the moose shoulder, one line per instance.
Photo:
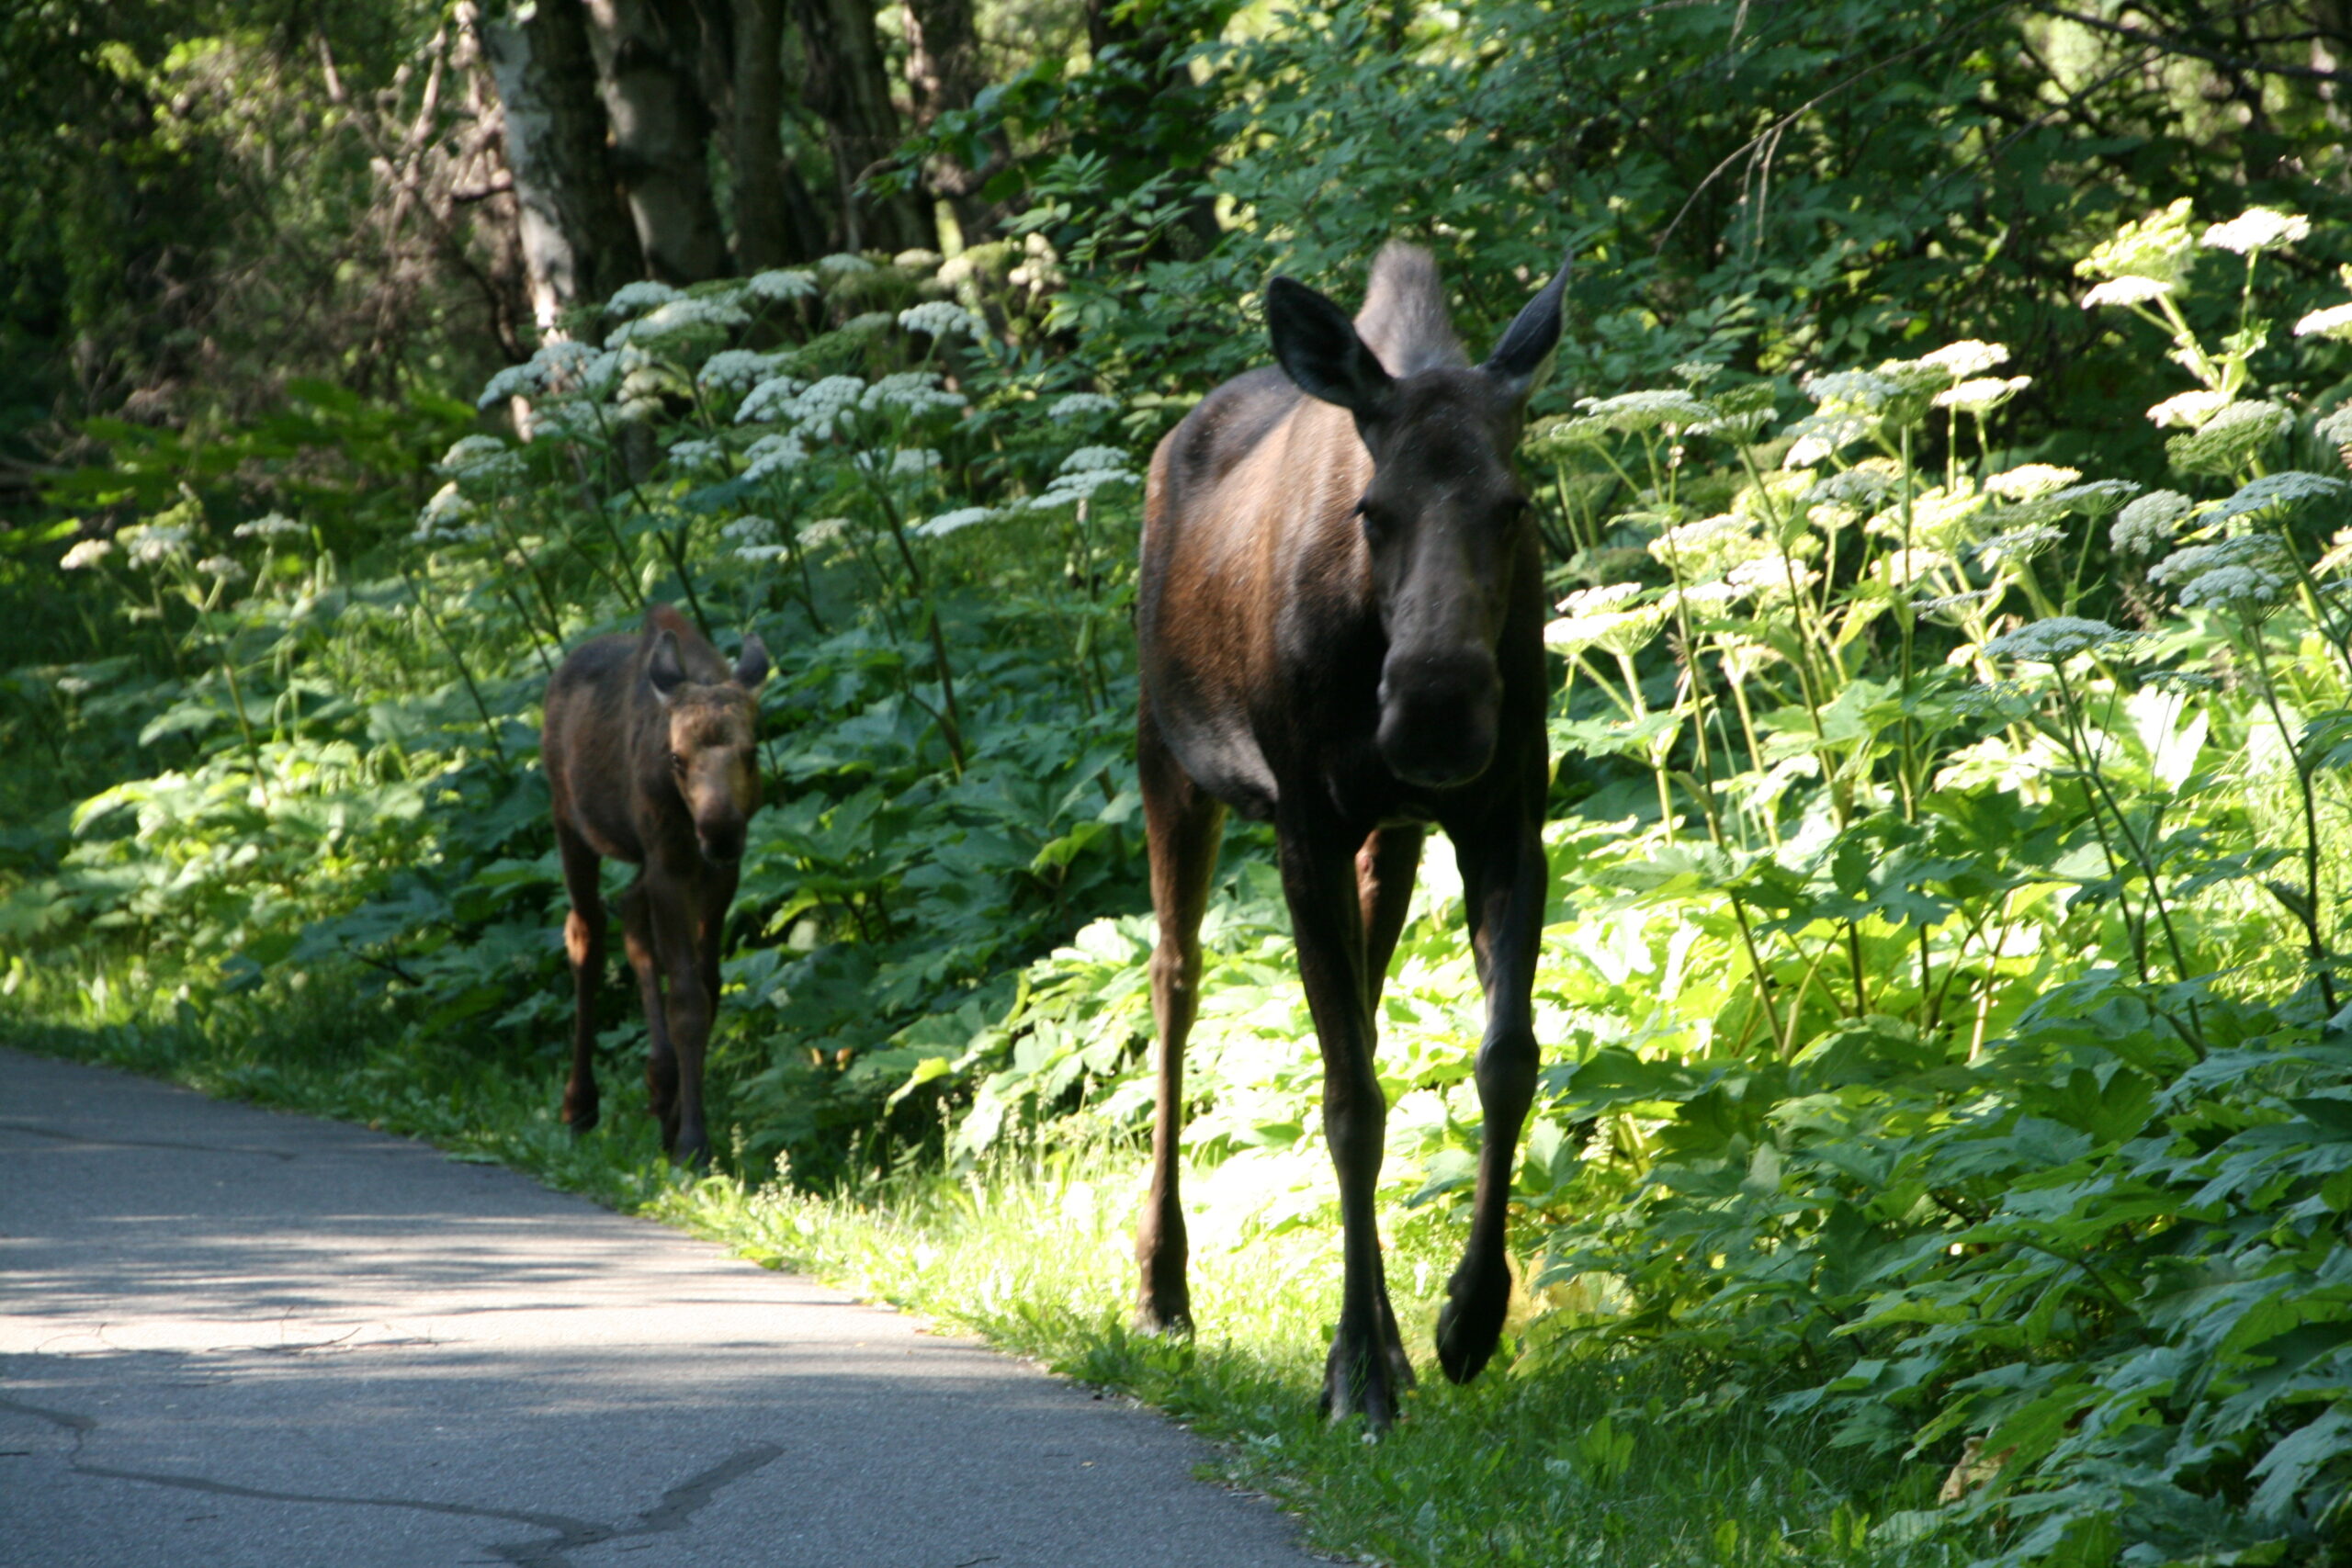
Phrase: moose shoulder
(650, 754)
(1340, 621)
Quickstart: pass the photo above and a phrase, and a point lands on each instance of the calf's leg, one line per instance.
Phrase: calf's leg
(674, 920)
(1503, 878)
(1387, 866)
(584, 944)
(660, 1061)
(1183, 825)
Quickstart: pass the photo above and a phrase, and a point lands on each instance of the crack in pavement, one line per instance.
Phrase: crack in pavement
(676, 1510)
(9, 1125)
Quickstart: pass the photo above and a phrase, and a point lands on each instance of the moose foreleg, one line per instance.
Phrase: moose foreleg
(584, 944)
(689, 1013)
(1184, 825)
(1503, 876)
(1368, 1369)
(660, 1061)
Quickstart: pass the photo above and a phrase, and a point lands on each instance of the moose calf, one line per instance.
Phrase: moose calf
(650, 747)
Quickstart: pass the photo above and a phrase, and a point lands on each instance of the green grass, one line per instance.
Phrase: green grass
(1547, 1459)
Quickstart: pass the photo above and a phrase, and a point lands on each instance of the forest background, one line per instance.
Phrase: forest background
(1947, 1140)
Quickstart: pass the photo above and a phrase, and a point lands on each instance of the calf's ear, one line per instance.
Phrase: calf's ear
(1318, 347)
(1524, 351)
(665, 670)
(752, 667)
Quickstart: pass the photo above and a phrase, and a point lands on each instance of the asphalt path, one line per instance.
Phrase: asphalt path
(232, 1339)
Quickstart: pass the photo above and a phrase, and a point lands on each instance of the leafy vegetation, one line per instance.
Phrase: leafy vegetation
(1947, 1137)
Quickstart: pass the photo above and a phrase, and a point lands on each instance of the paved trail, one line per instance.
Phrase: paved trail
(230, 1337)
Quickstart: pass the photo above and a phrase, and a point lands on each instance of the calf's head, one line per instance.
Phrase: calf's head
(712, 730)
(1444, 521)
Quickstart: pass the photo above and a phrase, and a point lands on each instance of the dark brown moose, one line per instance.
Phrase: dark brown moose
(1341, 632)
(650, 755)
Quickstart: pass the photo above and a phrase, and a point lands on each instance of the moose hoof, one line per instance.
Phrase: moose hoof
(581, 1118)
(1164, 1318)
(1470, 1323)
(1362, 1380)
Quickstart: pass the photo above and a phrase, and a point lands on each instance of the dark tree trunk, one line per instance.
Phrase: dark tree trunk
(776, 220)
(850, 88)
(576, 238)
(647, 52)
(943, 72)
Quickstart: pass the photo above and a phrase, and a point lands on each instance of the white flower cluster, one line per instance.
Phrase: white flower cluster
(2190, 409)
(1772, 574)
(1856, 391)
(947, 522)
(2230, 438)
(227, 569)
(2095, 499)
(445, 517)
(631, 297)
(267, 526)
(2052, 640)
(732, 369)
(2158, 247)
(820, 407)
(2244, 573)
(842, 263)
(1080, 405)
(773, 455)
(2126, 291)
(771, 400)
(939, 318)
(2336, 429)
(2257, 229)
(1710, 546)
(86, 553)
(1982, 394)
(2283, 489)
(2027, 481)
(2019, 544)
(780, 283)
(1824, 435)
(1864, 485)
(1630, 414)
(914, 392)
(1600, 617)
(1599, 600)
(469, 450)
(751, 530)
(153, 544)
(2335, 321)
(1967, 358)
(692, 454)
(824, 531)
(2148, 524)
(1088, 459)
(707, 313)
(561, 366)
(907, 462)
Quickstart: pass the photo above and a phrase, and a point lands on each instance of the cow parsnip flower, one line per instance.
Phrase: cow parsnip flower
(939, 318)
(2257, 229)
(86, 553)
(1982, 394)
(2052, 640)
(2335, 321)
(2148, 524)
(2126, 291)
(2191, 408)
(269, 525)
(780, 283)
(1967, 358)
(2158, 246)
(2029, 480)
(949, 523)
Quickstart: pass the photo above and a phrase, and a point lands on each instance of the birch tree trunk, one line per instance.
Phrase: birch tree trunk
(576, 239)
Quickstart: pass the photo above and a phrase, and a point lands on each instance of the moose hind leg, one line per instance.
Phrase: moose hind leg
(1184, 825)
(1503, 884)
(660, 1061)
(584, 944)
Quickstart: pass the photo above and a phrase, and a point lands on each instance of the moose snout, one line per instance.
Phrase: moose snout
(721, 840)
(1438, 715)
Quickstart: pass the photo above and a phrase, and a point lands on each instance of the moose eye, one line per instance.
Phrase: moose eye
(677, 764)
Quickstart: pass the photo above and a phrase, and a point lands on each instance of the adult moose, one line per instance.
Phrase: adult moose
(1340, 621)
(648, 748)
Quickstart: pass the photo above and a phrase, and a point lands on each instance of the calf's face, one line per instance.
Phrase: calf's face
(712, 731)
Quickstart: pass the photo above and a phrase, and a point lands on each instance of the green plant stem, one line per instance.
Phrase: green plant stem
(2312, 914)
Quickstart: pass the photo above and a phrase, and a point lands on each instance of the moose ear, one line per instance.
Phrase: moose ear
(1523, 354)
(665, 669)
(1319, 349)
(752, 667)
